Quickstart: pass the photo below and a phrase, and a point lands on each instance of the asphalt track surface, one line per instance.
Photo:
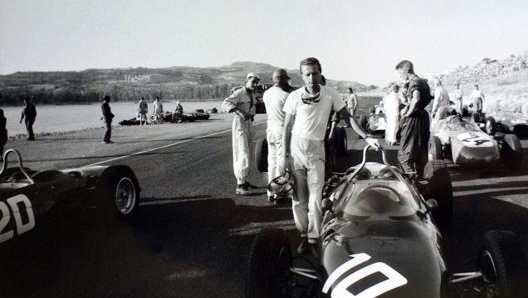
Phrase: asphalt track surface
(192, 235)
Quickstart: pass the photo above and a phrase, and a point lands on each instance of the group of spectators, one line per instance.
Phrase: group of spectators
(296, 127)
(157, 114)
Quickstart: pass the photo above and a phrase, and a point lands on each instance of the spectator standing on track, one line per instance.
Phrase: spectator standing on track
(242, 104)
(391, 104)
(458, 97)
(158, 110)
(307, 111)
(142, 111)
(3, 134)
(477, 99)
(415, 122)
(352, 101)
(441, 104)
(107, 118)
(274, 99)
(29, 114)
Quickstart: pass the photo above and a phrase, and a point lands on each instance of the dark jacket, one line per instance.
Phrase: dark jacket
(107, 112)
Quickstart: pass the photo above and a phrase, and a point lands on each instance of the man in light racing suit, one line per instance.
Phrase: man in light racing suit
(242, 104)
(307, 111)
(274, 99)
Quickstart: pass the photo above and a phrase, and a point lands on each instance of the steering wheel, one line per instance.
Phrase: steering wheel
(20, 166)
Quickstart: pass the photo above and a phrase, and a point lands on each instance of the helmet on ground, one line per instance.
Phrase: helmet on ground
(282, 186)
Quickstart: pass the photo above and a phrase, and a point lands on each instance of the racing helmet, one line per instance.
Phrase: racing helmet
(283, 185)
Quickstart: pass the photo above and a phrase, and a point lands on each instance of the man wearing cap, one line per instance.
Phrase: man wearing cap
(415, 122)
(307, 111)
(242, 104)
(274, 99)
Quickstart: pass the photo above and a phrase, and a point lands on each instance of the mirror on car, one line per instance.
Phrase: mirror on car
(431, 204)
(327, 205)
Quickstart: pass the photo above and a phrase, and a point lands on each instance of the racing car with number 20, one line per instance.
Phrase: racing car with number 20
(32, 199)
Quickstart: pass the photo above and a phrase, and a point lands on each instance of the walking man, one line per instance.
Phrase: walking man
(307, 111)
(107, 118)
(458, 98)
(274, 99)
(242, 104)
(441, 106)
(29, 114)
(415, 122)
(477, 100)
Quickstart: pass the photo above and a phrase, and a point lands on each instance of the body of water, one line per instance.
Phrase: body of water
(60, 118)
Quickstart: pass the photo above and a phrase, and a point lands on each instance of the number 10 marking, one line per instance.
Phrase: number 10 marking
(394, 279)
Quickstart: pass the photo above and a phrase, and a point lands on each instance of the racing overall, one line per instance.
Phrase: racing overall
(242, 131)
(415, 130)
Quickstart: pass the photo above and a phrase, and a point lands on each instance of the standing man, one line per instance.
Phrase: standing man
(177, 116)
(107, 118)
(242, 104)
(142, 111)
(477, 99)
(440, 102)
(391, 104)
(158, 110)
(352, 101)
(307, 111)
(458, 97)
(274, 99)
(415, 122)
(29, 114)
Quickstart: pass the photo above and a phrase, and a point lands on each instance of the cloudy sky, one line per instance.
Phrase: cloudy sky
(355, 40)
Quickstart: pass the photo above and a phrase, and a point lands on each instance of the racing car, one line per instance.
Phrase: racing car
(32, 199)
(381, 237)
(376, 123)
(464, 143)
(503, 122)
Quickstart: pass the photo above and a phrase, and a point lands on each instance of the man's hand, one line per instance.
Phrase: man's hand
(281, 165)
(374, 143)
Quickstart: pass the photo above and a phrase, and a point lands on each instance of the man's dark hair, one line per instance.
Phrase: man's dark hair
(350, 89)
(311, 61)
(405, 64)
(106, 98)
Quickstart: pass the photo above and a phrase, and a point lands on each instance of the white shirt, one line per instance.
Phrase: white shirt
(391, 104)
(274, 99)
(311, 119)
(476, 94)
(441, 98)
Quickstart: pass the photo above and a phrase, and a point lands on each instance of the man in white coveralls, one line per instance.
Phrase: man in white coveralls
(242, 104)
(307, 111)
(274, 99)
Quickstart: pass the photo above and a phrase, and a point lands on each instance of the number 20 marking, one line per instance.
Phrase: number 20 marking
(394, 279)
(13, 208)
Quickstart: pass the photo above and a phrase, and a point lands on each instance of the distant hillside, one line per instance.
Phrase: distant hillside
(177, 82)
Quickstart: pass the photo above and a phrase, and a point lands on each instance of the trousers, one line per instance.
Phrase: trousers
(414, 142)
(242, 140)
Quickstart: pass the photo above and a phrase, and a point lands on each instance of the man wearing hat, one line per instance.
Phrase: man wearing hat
(242, 104)
(274, 99)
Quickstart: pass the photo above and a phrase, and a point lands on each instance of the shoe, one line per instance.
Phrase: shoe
(30, 139)
(108, 142)
(272, 199)
(250, 186)
(241, 189)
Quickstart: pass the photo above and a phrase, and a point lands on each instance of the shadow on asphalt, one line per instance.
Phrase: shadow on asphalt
(106, 156)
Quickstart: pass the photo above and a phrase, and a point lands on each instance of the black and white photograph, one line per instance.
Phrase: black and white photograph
(263, 149)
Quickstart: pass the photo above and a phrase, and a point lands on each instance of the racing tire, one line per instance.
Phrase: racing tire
(270, 261)
(439, 188)
(477, 117)
(503, 265)
(261, 155)
(363, 121)
(511, 152)
(120, 191)
(341, 141)
(490, 127)
(435, 151)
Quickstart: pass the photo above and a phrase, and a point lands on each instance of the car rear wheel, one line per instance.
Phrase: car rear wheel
(440, 189)
(503, 265)
(435, 149)
(511, 152)
(261, 155)
(121, 191)
(270, 261)
(363, 122)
